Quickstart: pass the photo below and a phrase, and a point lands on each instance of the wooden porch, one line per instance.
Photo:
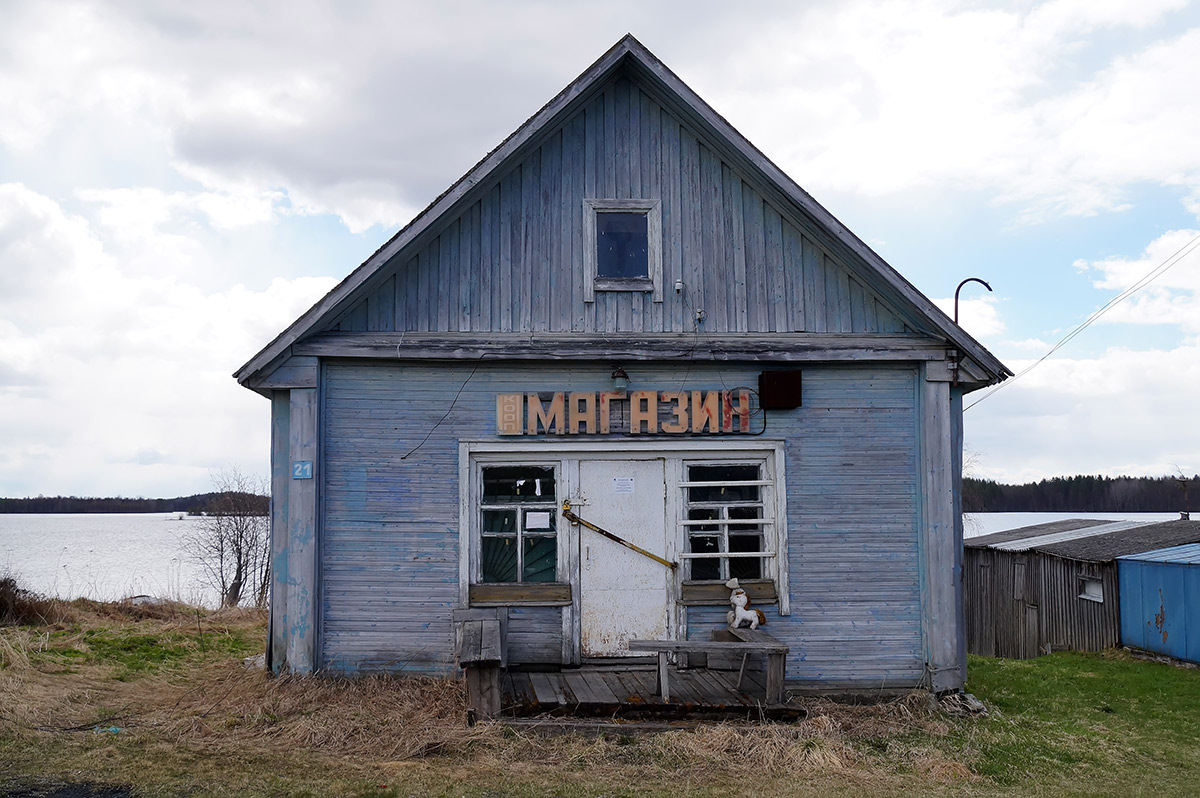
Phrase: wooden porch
(627, 688)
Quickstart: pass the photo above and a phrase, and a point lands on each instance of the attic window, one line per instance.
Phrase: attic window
(622, 246)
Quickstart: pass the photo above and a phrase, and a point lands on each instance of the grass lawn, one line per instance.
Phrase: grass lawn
(156, 700)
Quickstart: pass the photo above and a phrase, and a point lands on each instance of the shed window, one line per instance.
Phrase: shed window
(519, 510)
(1091, 589)
(622, 246)
(726, 524)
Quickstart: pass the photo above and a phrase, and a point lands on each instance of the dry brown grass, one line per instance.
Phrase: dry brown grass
(212, 709)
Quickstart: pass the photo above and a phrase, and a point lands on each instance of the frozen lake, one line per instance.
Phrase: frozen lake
(102, 556)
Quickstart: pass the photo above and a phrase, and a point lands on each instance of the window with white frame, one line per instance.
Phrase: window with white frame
(622, 246)
(728, 521)
(518, 519)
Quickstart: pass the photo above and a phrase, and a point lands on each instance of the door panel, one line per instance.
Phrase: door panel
(623, 595)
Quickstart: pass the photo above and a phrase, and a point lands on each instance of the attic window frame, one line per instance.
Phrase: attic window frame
(593, 207)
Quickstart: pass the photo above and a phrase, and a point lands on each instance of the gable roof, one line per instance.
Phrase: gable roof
(631, 58)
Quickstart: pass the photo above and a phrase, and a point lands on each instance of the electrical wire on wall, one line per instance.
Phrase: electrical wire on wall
(1146, 280)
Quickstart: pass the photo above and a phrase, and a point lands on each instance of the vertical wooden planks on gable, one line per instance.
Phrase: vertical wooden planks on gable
(529, 221)
(690, 234)
(574, 191)
(447, 263)
(510, 219)
(735, 247)
(793, 253)
(381, 308)
(712, 237)
(411, 277)
(672, 223)
(548, 242)
(758, 307)
(467, 268)
(631, 124)
(776, 278)
(814, 287)
(652, 187)
(489, 209)
(300, 619)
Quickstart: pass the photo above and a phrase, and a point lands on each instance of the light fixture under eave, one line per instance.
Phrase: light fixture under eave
(620, 378)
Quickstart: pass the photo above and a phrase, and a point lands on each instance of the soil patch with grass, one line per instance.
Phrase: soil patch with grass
(111, 699)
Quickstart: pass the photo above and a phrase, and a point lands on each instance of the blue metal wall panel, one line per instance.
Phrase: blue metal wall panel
(1160, 606)
(390, 511)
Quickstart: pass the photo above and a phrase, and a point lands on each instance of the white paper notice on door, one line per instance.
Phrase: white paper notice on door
(622, 484)
(536, 520)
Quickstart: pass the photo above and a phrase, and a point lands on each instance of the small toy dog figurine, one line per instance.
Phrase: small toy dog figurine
(742, 614)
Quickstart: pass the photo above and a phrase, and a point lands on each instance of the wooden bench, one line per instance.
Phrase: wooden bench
(744, 642)
(479, 644)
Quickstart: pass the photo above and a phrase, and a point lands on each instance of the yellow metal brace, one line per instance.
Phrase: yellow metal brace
(570, 516)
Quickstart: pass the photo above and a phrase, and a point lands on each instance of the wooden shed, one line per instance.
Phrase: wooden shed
(624, 314)
(1055, 587)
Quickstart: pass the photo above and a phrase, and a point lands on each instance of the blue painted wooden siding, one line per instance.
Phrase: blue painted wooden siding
(512, 259)
(390, 529)
(1160, 606)
(852, 532)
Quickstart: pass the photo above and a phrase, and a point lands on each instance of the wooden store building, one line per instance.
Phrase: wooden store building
(624, 314)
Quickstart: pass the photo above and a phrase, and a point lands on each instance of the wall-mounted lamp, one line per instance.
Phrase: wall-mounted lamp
(620, 378)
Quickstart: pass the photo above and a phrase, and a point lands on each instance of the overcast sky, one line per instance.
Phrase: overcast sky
(180, 180)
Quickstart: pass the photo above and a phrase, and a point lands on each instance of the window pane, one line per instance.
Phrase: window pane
(540, 559)
(621, 245)
(705, 568)
(745, 567)
(512, 484)
(499, 522)
(726, 474)
(498, 557)
(703, 514)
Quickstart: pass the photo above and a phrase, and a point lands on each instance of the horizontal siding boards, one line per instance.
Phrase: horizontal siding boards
(511, 258)
(390, 544)
(855, 583)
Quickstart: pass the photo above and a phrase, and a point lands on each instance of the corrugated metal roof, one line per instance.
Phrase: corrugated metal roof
(1046, 537)
(1048, 528)
(1188, 554)
(1097, 542)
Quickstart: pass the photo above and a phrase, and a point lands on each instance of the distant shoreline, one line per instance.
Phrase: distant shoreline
(47, 505)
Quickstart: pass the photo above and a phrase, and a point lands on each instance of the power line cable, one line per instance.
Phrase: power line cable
(1150, 277)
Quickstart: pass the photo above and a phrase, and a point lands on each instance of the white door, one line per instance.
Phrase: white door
(624, 595)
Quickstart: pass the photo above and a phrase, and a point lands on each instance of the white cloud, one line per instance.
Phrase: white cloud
(1173, 296)
(1120, 413)
(112, 378)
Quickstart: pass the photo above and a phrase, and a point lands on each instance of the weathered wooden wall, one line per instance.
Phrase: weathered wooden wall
(1025, 604)
(512, 260)
(390, 513)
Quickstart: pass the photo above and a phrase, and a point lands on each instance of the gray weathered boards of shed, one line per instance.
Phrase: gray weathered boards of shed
(1055, 586)
(485, 348)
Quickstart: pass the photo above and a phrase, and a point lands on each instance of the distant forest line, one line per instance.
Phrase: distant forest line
(193, 505)
(1080, 494)
(1083, 494)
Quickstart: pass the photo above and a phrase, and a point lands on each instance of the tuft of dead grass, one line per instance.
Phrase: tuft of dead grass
(22, 607)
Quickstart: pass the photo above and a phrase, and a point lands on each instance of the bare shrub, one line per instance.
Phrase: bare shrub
(232, 542)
